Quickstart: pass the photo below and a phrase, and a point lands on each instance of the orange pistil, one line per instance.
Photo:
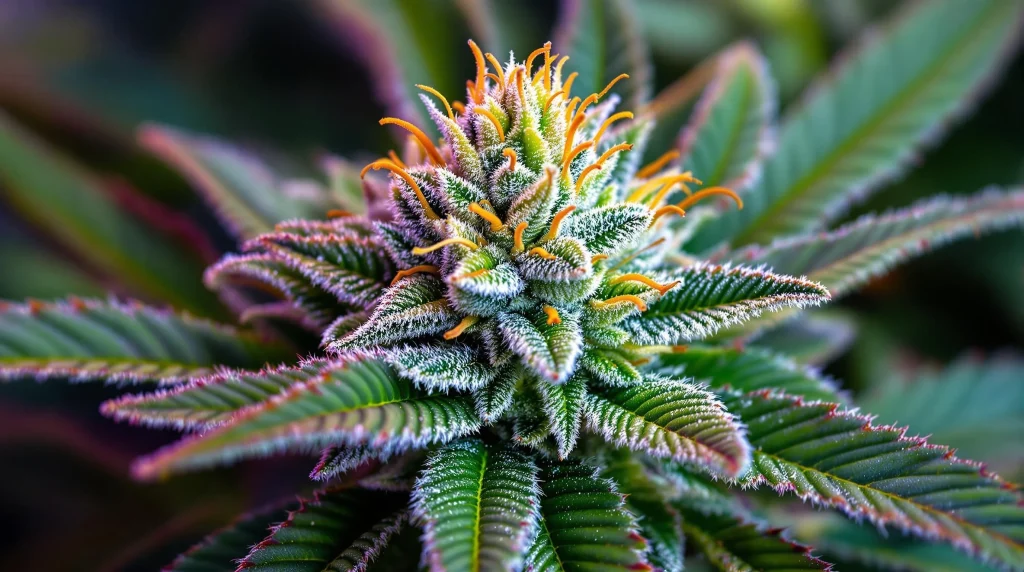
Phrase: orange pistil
(438, 95)
(691, 200)
(418, 251)
(572, 155)
(558, 66)
(672, 181)
(416, 270)
(647, 187)
(553, 317)
(473, 274)
(481, 70)
(545, 49)
(597, 258)
(487, 215)
(583, 176)
(551, 99)
(557, 221)
(459, 106)
(496, 79)
(656, 165)
(463, 325)
(493, 119)
(386, 164)
(611, 83)
(567, 84)
(338, 213)
(607, 123)
(396, 159)
(511, 154)
(497, 68)
(668, 209)
(607, 154)
(541, 252)
(420, 136)
(520, 72)
(571, 107)
(635, 300)
(590, 99)
(661, 288)
(517, 237)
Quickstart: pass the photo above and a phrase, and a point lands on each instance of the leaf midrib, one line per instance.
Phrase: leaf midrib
(796, 191)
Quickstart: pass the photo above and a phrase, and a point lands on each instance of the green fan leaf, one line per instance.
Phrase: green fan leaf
(972, 405)
(866, 121)
(747, 370)
(219, 551)
(660, 523)
(672, 419)
(732, 126)
(836, 458)
(120, 342)
(711, 297)
(355, 401)
(847, 258)
(734, 543)
(72, 205)
(245, 194)
(604, 40)
(339, 530)
(205, 402)
(479, 505)
(584, 524)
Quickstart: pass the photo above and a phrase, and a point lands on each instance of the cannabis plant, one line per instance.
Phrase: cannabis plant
(539, 351)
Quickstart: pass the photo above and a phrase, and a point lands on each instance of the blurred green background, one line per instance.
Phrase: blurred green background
(297, 78)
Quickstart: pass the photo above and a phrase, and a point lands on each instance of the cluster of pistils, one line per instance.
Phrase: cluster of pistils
(522, 240)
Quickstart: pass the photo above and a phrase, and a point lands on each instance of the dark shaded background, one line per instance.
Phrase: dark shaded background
(282, 76)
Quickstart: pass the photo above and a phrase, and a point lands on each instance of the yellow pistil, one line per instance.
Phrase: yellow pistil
(386, 164)
(691, 200)
(496, 224)
(667, 209)
(613, 150)
(497, 68)
(570, 155)
(459, 106)
(481, 69)
(546, 48)
(473, 274)
(661, 288)
(438, 95)
(494, 121)
(557, 221)
(338, 213)
(598, 257)
(541, 252)
(511, 154)
(611, 83)
(607, 123)
(647, 187)
(456, 240)
(671, 182)
(656, 165)
(583, 176)
(567, 84)
(551, 99)
(463, 325)
(635, 300)
(428, 268)
(420, 136)
(517, 237)
(553, 317)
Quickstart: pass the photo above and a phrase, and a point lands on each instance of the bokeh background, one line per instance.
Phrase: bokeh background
(293, 79)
